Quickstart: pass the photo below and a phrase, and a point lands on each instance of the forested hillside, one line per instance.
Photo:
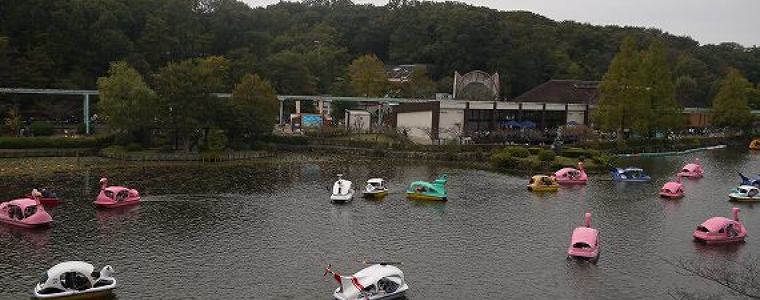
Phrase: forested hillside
(305, 48)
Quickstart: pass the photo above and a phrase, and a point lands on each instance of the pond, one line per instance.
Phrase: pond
(267, 231)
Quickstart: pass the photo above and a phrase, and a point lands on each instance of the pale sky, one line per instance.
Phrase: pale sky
(707, 21)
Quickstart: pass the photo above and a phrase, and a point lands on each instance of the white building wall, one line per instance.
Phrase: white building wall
(417, 125)
(357, 120)
(451, 124)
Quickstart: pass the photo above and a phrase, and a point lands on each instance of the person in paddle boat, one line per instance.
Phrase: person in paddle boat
(584, 243)
(25, 212)
(378, 281)
(75, 279)
(115, 196)
(721, 230)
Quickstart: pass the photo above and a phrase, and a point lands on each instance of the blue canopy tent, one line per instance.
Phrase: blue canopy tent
(528, 124)
(511, 124)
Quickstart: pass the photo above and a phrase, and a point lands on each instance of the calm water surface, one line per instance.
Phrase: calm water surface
(267, 231)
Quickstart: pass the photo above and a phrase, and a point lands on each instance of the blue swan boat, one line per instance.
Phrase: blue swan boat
(630, 174)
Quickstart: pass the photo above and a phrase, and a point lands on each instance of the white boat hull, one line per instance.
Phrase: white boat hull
(91, 293)
(398, 294)
(343, 198)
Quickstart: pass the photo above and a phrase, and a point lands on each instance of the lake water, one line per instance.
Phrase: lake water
(266, 231)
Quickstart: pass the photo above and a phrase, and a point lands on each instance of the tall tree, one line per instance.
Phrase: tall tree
(186, 90)
(730, 106)
(659, 90)
(368, 76)
(620, 101)
(126, 101)
(419, 84)
(255, 106)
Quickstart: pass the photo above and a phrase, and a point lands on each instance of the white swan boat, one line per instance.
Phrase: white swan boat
(75, 280)
(745, 193)
(379, 281)
(376, 187)
(343, 190)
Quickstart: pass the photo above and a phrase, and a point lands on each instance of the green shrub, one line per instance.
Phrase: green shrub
(519, 152)
(54, 142)
(40, 128)
(133, 147)
(534, 150)
(546, 155)
(503, 160)
(114, 150)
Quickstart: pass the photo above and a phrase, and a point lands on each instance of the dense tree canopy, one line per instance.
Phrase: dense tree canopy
(306, 47)
(126, 101)
(730, 106)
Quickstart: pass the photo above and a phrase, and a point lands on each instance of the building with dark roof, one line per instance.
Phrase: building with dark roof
(564, 92)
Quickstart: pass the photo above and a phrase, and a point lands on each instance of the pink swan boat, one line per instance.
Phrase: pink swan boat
(116, 196)
(25, 212)
(692, 170)
(721, 230)
(572, 176)
(584, 243)
(672, 190)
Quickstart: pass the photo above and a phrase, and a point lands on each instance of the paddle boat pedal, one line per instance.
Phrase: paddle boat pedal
(375, 188)
(745, 193)
(721, 230)
(75, 280)
(25, 212)
(378, 281)
(116, 196)
(542, 183)
(342, 191)
(435, 191)
(584, 244)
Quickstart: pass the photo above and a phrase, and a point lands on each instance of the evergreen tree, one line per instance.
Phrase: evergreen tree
(620, 104)
(730, 107)
(659, 90)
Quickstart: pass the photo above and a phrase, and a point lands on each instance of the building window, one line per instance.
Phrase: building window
(479, 120)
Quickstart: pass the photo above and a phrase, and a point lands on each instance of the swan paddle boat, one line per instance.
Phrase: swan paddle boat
(745, 193)
(754, 145)
(584, 243)
(571, 176)
(721, 230)
(25, 212)
(423, 190)
(630, 174)
(376, 188)
(378, 281)
(75, 280)
(342, 191)
(542, 183)
(750, 181)
(672, 190)
(693, 170)
(47, 197)
(116, 196)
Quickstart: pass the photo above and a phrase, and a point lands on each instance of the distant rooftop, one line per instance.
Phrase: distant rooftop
(563, 91)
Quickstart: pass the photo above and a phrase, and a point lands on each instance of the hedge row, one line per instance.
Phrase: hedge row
(54, 142)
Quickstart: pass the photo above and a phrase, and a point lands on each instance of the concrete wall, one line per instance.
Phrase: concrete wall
(451, 124)
(417, 125)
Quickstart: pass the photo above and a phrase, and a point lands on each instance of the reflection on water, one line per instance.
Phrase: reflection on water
(267, 230)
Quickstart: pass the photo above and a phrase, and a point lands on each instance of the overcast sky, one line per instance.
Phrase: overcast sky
(707, 21)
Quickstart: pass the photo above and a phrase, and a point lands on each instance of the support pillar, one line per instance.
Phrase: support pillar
(298, 106)
(543, 117)
(320, 107)
(86, 112)
(279, 117)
